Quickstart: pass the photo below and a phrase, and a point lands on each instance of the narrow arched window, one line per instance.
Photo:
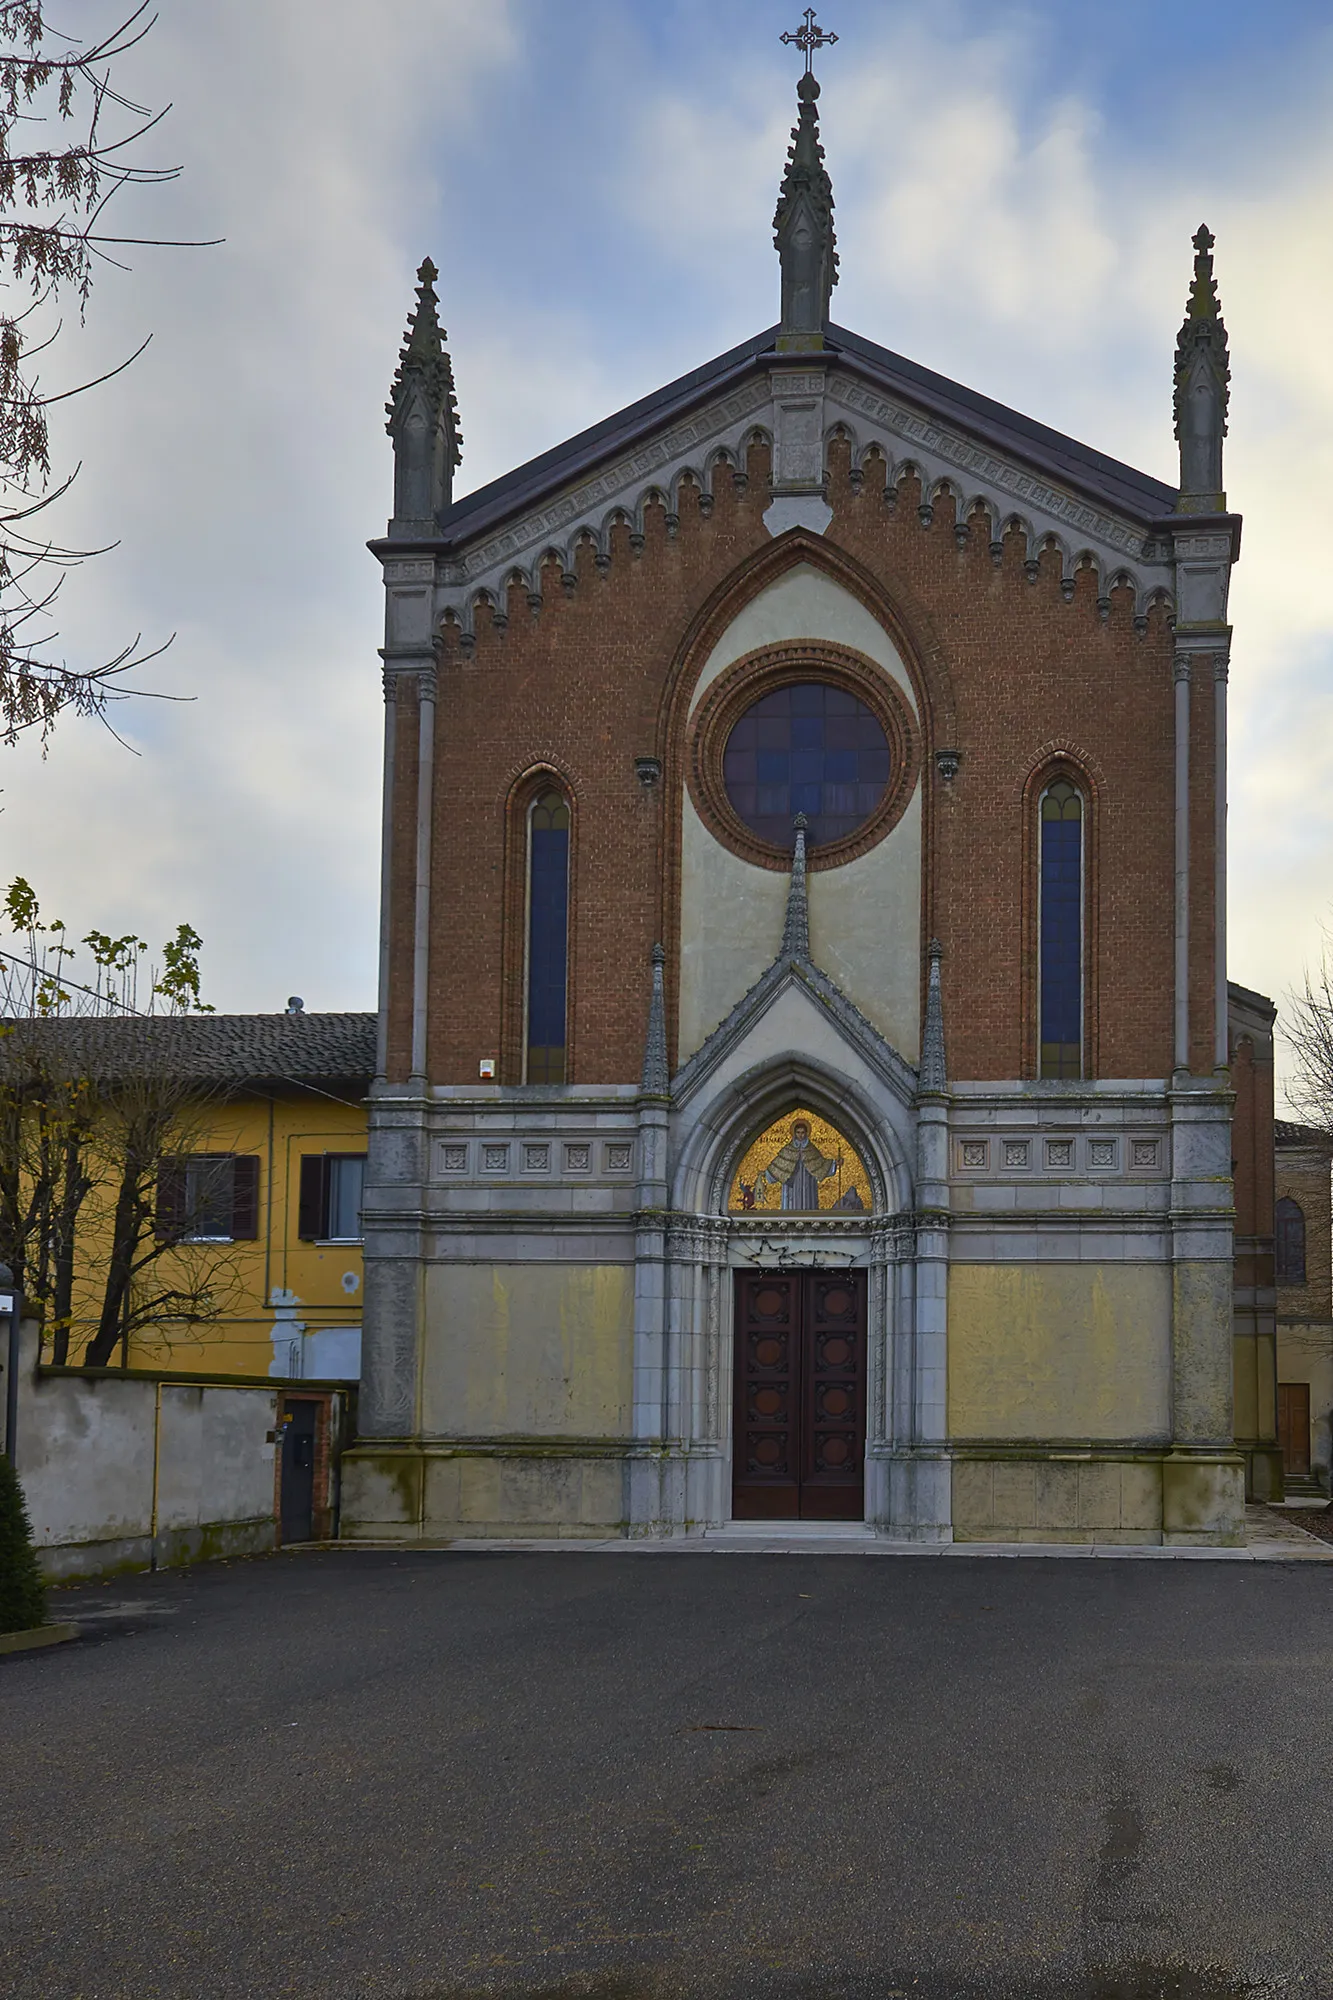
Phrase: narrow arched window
(1289, 1226)
(548, 939)
(1060, 894)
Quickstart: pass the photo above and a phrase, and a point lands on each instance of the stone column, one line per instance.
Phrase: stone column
(655, 1421)
(922, 1482)
(386, 871)
(426, 690)
(1203, 1478)
(1181, 1038)
(1221, 1045)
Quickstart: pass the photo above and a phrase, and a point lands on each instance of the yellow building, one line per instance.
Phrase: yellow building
(257, 1199)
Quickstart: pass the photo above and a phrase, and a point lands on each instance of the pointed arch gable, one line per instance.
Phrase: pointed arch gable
(907, 625)
(901, 613)
(727, 1120)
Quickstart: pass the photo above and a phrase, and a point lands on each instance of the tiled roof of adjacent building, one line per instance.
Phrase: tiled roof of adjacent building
(207, 1048)
(1285, 1133)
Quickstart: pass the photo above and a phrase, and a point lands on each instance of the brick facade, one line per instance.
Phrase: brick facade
(1302, 1176)
(1026, 681)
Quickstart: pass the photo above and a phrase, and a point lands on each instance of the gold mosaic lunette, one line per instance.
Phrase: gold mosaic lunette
(846, 1189)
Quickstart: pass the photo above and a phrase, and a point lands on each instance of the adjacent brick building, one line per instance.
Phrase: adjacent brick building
(803, 1070)
(1303, 1249)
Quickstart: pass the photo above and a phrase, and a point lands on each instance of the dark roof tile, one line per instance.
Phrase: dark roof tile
(1117, 486)
(209, 1048)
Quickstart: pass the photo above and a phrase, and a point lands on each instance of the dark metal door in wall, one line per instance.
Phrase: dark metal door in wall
(798, 1450)
(297, 1491)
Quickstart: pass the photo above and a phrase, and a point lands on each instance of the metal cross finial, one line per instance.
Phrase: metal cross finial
(810, 36)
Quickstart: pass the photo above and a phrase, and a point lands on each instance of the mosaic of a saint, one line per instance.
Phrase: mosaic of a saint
(798, 1168)
(803, 1166)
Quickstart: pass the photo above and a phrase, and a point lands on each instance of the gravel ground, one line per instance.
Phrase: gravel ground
(450, 1776)
(1315, 1521)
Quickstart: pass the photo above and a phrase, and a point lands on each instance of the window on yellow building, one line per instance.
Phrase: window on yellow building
(209, 1198)
(330, 1203)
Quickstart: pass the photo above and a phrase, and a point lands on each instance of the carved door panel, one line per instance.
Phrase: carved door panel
(833, 1395)
(799, 1443)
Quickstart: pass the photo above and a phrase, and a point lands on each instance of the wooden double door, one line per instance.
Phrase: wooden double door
(798, 1450)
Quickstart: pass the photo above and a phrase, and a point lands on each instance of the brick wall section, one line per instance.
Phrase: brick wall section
(1303, 1176)
(1009, 673)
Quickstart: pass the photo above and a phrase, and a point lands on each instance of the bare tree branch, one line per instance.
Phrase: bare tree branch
(53, 200)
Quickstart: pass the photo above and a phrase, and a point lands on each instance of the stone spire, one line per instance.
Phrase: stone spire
(423, 418)
(803, 232)
(796, 930)
(1202, 376)
(933, 1074)
(656, 1070)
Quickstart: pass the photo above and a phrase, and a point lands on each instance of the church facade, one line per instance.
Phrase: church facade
(803, 1083)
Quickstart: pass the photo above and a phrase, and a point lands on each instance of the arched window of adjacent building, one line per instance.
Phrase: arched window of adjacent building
(548, 939)
(1060, 931)
(1290, 1232)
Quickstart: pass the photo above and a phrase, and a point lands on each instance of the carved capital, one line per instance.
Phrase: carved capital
(1181, 670)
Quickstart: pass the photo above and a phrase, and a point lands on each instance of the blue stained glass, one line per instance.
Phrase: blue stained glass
(820, 751)
(548, 939)
(1061, 1003)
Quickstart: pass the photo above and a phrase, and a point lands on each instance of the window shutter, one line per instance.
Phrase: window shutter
(245, 1198)
(312, 1221)
(170, 1222)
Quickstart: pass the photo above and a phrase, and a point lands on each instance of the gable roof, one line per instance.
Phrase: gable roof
(1063, 459)
(236, 1049)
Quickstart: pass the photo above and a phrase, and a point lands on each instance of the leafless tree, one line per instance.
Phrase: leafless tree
(54, 198)
(1307, 1026)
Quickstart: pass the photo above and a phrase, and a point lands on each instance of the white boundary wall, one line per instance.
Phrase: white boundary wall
(135, 1471)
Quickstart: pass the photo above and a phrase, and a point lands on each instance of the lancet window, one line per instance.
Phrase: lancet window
(1290, 1233)
(1060, 931)
(547, 986)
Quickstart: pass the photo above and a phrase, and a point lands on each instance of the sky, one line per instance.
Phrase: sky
(1016, 190)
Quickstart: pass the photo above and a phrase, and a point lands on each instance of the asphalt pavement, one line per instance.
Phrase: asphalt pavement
(442, 1775)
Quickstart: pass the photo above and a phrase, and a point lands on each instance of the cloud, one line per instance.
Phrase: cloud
(1010, 210)
(242, 463)
(997, 224)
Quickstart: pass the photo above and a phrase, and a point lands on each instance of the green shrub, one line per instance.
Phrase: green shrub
(22, 1592)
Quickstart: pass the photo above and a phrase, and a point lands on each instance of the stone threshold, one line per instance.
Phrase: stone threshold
(777, 1542)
